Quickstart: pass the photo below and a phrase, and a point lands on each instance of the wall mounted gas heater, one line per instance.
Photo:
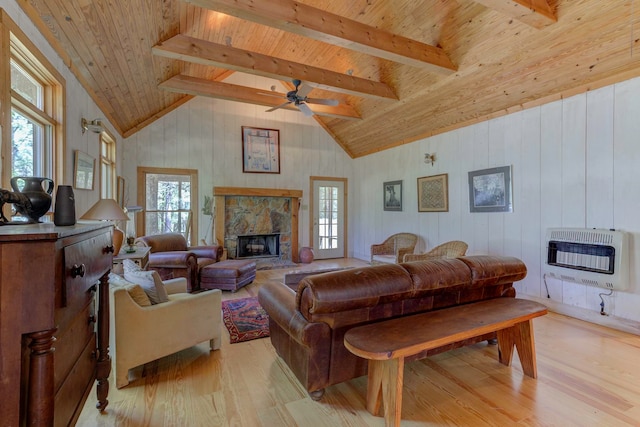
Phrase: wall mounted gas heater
(594, 257)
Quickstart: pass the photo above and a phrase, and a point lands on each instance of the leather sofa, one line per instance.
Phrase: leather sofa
(171, 257)
(307, 326)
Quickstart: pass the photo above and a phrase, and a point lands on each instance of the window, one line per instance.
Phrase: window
(31, 126)
(170, 199)
(34, 112)
(107, 166)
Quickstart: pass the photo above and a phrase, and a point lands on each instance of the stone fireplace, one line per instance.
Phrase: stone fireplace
(257, 222)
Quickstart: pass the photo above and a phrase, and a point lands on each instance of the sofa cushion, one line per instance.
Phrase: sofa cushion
(149, 280)
(492, 270)
(441, 273)
(355, 288)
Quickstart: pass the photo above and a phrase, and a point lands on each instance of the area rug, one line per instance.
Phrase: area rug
(245, 319)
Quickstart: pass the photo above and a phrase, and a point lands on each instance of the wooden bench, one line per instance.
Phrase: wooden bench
(386, 344)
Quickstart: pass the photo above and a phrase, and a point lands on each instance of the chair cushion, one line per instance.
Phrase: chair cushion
(149, 280)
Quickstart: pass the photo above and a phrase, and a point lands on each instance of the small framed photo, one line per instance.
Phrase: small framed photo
(433, 193)
(260, 150)
(392, 195)
(490, 190)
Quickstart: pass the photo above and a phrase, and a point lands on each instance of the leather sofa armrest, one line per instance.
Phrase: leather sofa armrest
(173, 259)
(212, 251)
(279, 301)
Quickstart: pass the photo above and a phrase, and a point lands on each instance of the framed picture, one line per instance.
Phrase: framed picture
(392, 195)
(120, 195)
(260, 150)
(83, 172)
(490, 190)
(433, 193)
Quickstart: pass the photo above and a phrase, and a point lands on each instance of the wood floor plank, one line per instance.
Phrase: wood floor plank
(587, 375)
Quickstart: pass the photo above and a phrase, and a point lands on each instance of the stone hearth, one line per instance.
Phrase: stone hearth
(257, 211)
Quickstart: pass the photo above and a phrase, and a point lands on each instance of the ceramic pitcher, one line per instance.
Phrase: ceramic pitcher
(35, 190)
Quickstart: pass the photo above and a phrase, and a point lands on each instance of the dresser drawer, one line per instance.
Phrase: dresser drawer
(71, 342)
(76, 387)
(84, 263)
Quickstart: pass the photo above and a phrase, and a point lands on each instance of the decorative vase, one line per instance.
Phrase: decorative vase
(39, 198)
(306, 255)
(65, 208)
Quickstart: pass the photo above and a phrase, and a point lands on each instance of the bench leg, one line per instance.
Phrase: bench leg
(519, 336)
(385, 382)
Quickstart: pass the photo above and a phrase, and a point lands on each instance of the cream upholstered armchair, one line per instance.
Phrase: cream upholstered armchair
(393, 250)
(452, 249)
(141, 332)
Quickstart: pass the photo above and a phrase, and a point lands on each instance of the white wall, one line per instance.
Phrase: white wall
(78, 104)
(575, 163)
(205, 134)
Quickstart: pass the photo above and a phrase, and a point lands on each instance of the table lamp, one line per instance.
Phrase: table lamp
(108, 210)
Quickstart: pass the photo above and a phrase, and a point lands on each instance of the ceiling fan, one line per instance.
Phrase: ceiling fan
(299, 98)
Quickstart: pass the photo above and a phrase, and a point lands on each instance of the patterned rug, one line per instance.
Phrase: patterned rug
(245, 319)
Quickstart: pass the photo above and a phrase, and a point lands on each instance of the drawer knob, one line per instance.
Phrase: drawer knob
(109, 249)
(92, 319)
(77, 270)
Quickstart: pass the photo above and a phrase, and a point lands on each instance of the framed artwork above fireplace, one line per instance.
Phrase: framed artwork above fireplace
(260, 150)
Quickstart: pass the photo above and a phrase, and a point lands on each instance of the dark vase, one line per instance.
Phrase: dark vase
(65, 209)
(39, 198)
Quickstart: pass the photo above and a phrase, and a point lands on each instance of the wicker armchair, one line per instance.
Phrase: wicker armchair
(393, 250)
(452, 249)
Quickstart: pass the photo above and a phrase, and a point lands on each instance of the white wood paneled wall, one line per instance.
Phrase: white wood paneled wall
(576, 163)
(205, 134)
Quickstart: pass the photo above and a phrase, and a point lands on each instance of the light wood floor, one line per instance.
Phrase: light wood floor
(588, 375)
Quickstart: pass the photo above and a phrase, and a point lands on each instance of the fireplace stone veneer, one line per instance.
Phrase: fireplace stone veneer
(257, 211)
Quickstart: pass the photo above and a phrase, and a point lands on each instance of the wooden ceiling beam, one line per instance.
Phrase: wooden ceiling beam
(230, 92)
(536, 13)
(317, 24)
(217, 55)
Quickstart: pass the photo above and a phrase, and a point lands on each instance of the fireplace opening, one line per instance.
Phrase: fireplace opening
(258, 246)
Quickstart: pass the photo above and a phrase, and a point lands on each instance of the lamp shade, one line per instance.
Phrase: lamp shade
(106, 210)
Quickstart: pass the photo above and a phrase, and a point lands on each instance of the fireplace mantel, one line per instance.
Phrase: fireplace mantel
(220, 194)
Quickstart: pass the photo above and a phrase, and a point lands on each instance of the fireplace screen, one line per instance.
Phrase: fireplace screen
(258, 245)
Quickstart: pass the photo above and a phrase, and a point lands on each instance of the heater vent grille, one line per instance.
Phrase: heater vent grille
(593, 257)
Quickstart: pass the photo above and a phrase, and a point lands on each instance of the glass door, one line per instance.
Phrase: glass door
(328, 218)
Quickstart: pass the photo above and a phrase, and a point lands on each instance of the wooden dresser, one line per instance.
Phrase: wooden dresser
(54, 321)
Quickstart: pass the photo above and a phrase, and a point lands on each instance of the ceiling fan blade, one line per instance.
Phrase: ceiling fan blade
(331, 102)
(303, 90)
(305, 109)
(276, 107)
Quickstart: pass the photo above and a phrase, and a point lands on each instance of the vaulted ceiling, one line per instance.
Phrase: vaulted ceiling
(402, 70)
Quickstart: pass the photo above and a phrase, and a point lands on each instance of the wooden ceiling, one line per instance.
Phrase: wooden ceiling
(401, 69)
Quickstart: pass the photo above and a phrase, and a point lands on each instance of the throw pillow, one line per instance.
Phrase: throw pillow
(149, 280)
(138, 295)
(117, 281)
